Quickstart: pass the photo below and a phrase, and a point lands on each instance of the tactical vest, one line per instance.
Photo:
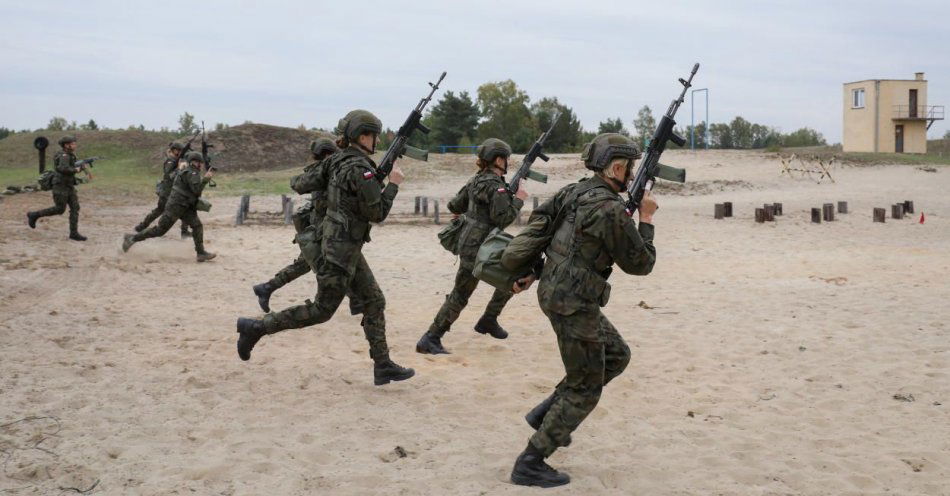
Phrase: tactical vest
(343, 205)
(183, 191)
(477, 211)
(60, 179)
(565, 243)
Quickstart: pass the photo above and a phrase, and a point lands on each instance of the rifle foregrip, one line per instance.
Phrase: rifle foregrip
(679, 140)
(544, 157)
(422, 128)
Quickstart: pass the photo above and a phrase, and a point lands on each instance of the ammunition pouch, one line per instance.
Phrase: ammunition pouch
(203, 205)
(46, 180)
(450, 234)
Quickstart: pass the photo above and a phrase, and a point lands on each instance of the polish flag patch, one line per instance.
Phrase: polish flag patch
(367, 175)
(502, 190)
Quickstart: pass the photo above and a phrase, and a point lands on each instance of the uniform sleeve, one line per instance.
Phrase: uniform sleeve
(503, 206)
(64, 165)
(631, 247)
(314, 178)
(375, 202)
(459, 204)
(168, 168)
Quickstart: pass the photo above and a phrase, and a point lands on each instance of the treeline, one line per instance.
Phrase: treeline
(503, 110)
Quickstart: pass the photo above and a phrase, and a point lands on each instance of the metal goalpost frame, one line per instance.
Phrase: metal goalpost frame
(692, 129)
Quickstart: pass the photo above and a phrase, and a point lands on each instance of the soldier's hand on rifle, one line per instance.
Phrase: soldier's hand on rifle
(396, 176)
(648, 207)
(209, 173)
(522, 193)
(523, 284)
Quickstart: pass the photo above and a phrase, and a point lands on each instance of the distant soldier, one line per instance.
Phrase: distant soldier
(485, 203)
(64, 188)
(164, 188)
(592, 232)
(355, 198)
(182, 204)
(310, 214)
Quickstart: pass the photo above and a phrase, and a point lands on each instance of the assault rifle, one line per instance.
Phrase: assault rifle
(399, 146)
(534, 153)
(650, 167)
(86, 164)
(187, 147)
(205, 146)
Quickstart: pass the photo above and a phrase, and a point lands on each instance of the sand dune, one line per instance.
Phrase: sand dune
(778, 358)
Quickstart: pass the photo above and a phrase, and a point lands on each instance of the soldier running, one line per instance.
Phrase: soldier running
(64, 188)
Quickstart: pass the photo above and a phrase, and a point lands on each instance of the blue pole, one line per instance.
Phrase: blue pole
(692, 131)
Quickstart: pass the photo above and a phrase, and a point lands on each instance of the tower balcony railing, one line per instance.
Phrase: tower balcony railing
(919, 112)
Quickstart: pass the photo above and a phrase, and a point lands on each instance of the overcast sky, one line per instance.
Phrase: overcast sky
(308, 62)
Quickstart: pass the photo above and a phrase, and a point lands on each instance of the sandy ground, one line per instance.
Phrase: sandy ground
(767, 359)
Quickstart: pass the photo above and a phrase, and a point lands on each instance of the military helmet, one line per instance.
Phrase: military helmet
(69, 138)
(176, 146)
(194, 156)
(493, 148)
(598, 153)
(323, 145)
(357, 122)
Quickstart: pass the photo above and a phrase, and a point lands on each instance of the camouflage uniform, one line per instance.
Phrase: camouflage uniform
(163, 189)
(64, 192)
(355, 198)
(595, 233)
(182, 204)
(486, 204)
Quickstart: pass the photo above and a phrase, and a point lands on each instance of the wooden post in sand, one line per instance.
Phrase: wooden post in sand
(828, 212)
(879, 214)
(760, 215)
(719, 211)
(842, 207)
(769, 212)
(727, 209)
(816, 215)
(287, 206)
(243, 208)
(897, 211)
(418, 205)
(425, 206)
(777, 208)
(435, 211)
(908, 206)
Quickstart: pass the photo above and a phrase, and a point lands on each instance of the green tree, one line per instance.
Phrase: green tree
(453, 119)
(804, 137)
(612, 126)
(741, 133)
(720, 136)
(4, 132)
(567, 134)
(504, 108)
(89, 126)
(57, 124)
(644, 124)
(187, 124)
(946, 135)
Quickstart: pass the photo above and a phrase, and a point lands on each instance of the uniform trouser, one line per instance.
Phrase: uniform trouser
(456, 301)
(156, 213)
(62, 198)
(333, 283)
(589, 366)
(174, 212)
(298, 268)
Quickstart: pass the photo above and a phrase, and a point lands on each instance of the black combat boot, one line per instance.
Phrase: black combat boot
(250, 331)
(530, 470)
(205, 256)
(489, 325)
(140, 227)
(31, 219)
(127, 242)
(536, 416)
(386, 370)
(75, 236)
(263, 292)
(430, 344)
